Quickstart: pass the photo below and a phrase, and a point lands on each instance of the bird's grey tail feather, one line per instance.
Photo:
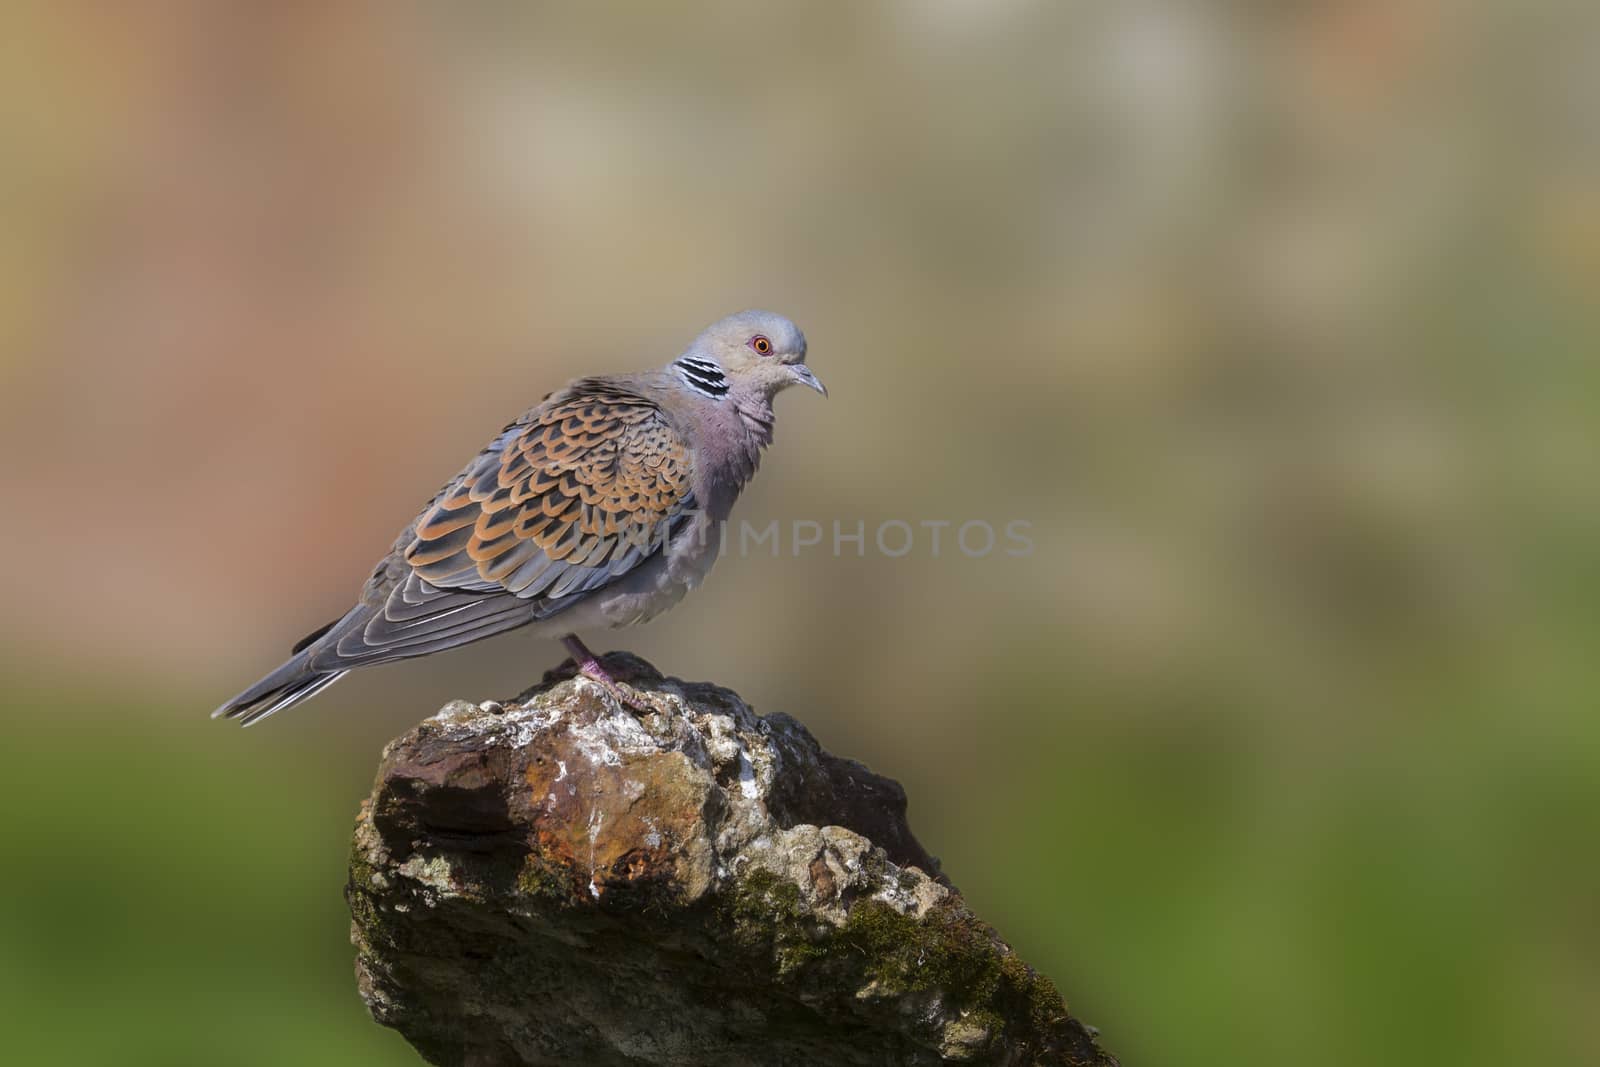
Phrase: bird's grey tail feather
(291, 683)
(309, 639)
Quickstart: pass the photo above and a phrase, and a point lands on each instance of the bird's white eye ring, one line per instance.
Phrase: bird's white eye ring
(762, 346)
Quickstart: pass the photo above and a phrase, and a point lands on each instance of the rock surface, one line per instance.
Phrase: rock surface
(561, 881)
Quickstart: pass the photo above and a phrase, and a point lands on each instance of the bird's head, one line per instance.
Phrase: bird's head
(754, 351)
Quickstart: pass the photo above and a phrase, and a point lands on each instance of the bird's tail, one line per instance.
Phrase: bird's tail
(285, 687)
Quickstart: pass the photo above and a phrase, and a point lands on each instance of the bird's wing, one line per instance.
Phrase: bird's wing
(571, 497)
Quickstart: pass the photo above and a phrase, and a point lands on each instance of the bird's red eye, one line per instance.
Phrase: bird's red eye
(762, 346)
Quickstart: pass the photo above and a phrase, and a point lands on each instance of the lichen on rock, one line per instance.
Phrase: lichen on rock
(557, 880)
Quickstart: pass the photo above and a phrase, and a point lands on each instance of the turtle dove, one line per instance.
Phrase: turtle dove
(599, 507)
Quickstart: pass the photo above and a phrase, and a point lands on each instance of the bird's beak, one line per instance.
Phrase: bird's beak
(803, 376)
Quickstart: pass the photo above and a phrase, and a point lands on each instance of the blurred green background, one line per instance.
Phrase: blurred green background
(1278, 322)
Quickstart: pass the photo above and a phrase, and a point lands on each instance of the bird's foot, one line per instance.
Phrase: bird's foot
(589, 667)
(625, 695)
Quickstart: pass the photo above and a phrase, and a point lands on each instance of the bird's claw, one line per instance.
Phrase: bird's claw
(625, 695)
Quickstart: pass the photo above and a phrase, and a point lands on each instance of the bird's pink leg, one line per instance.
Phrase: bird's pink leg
(589, 666)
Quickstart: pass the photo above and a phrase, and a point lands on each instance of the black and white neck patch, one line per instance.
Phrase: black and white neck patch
(703, 376)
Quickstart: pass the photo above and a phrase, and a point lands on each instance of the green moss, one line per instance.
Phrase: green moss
(762, 897)
(361, 895)
(363, 911)
(769, 916)
(875, 864)
(1036, 995)
(988, 1019)
(947, 950)
(544, 881)
(360, 869)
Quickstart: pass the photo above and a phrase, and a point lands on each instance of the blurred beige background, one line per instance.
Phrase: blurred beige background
(1278, 323)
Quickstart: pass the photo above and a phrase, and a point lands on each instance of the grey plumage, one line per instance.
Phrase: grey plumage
(596, 508)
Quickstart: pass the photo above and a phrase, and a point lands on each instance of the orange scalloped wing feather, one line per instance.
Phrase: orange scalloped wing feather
(589, 487)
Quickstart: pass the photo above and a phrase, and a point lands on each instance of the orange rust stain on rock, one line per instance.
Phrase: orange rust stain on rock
(822, 878)
(617, 824)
